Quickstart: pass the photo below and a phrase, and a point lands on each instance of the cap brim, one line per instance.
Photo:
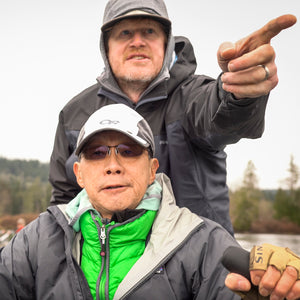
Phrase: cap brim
(137, 139)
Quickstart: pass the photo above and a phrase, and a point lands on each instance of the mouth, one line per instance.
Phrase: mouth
(137, 57)
(114, 187)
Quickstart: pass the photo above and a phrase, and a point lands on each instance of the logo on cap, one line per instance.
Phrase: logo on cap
(108, 122)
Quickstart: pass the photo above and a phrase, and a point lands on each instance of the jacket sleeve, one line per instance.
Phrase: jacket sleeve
(64, 186)
(15, 256)
(6, 285)
(209, 283)
(39, 259)
(213, 116)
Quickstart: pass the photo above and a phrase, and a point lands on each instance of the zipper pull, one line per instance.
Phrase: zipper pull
(102, 238)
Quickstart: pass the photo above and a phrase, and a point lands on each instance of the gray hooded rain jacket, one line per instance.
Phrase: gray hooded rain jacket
(192, 118)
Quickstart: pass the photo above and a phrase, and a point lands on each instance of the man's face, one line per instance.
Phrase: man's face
(136, 49)
(115, 183)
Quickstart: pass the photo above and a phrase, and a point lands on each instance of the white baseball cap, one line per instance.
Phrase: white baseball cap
(118, 117)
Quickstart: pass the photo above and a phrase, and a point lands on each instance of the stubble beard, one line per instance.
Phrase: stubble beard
(134, 83)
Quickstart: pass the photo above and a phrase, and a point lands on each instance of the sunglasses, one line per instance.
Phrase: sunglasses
(125, 150)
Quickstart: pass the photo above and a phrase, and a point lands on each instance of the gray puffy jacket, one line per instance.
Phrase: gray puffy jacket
(181, 259)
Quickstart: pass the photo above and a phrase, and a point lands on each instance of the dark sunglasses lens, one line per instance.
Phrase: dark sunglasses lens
(130, 150)
(95, 153)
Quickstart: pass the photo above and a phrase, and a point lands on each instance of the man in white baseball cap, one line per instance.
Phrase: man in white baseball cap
(124, 237)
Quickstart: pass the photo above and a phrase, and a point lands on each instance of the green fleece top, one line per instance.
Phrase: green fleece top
(110, 250)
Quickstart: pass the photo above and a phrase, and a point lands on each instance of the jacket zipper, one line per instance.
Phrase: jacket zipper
(99, 284)
(104, 243)
(102, 238)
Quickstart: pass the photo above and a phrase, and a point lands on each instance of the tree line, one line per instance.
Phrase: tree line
(24, 186)
(24, 189)
(256, 210)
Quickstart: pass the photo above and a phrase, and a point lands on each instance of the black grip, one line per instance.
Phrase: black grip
(236, 260)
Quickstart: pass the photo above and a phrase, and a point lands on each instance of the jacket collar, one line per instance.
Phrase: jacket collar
(81, 203)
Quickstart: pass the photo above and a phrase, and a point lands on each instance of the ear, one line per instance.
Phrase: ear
(153, 168)
(77, 172)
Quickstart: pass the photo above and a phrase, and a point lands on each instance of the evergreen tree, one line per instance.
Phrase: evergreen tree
(292, 180)
(245, 201)
(5, 196)
(287, 202)
(17, 187)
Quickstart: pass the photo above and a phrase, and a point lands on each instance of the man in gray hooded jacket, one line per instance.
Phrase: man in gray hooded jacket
(192, 117)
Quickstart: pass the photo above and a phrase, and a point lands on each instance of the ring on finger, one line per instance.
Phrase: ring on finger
(267, 71)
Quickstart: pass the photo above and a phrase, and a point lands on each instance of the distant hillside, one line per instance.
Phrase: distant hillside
(24, 186)
(25, 168)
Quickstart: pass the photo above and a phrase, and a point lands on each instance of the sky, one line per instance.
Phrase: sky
(50, 52)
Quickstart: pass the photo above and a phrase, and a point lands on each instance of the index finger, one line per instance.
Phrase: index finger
(264, 35)
(275, 26)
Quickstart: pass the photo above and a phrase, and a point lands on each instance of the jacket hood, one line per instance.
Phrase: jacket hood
(115, 11)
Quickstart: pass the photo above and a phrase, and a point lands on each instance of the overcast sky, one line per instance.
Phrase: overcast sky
(49, 53)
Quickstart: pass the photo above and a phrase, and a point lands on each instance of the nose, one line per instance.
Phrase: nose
(113, 165)
(137, 39)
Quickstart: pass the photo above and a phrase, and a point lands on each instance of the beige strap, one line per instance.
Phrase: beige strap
(268, 255)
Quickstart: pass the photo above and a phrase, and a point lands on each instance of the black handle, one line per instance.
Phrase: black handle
(236, 260)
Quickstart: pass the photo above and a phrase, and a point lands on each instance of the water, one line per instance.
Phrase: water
(248, 240)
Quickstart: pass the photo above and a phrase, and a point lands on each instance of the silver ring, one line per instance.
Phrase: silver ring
(266, 70)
